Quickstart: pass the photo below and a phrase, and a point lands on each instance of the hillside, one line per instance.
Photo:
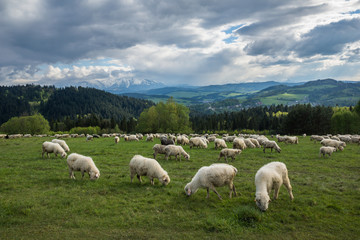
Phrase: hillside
(58, 103)
(233, 97)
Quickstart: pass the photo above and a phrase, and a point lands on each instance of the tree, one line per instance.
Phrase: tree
(35, 124)
(165, 117)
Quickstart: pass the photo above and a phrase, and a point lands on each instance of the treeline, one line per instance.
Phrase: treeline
(282, 119)
(70, 107)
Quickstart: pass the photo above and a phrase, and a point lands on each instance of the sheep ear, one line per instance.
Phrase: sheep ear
(269, 200)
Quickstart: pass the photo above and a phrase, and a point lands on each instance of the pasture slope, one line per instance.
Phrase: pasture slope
(39, 201)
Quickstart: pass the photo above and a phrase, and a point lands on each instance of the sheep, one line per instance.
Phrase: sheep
(333, 143)
(209, 177)
(228, 152)
(172, 150)
(77, 162)
(89, 137)
(326, 150)
(292, 140)
(316, 138)
(117, 139)
(249, 143)
(142, 166)
(271, 145)
(131, 138)
(158, 148)
(261, 139)
(220, 143)
(255, 142)
(167, 141)
(62, 143)
(268, 177)
(239, 143)
(50, 147)
(182, 140)
(197, 142)
(149, 138)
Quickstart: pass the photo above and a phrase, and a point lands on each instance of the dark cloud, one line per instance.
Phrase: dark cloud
(329, 39)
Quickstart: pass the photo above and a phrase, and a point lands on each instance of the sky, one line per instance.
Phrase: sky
(194, 42)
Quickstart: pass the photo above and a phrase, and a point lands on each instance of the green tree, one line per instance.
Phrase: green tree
(35, 124)
(345, 121)
(165, 117)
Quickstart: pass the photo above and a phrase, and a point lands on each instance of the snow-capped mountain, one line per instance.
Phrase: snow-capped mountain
(123, 85)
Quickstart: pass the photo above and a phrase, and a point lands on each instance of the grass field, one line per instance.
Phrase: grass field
(39, 201)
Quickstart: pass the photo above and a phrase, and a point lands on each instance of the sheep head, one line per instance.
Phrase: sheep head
(262, 201)
(94, 175)
(165, 180)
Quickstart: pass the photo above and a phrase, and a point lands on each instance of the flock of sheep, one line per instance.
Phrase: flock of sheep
(269, 177)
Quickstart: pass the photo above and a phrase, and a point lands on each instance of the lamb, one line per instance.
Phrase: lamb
(172, 150)
(77, 162)
(197, 142)
(142, 166)
(62, 143)
(50, 147)
(209, 177)
(271, 145)
(220, 143)
(228, 152)
(117, 139)
(326, 150)
(333, 143)
(239, 143)
(268, 177)
(158, 148)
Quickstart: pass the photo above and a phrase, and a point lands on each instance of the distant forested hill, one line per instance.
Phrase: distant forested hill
(58, 103)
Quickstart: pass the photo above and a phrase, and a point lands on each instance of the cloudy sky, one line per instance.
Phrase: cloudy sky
(196, 42)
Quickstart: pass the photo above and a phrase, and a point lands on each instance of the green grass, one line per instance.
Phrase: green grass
(39, 201)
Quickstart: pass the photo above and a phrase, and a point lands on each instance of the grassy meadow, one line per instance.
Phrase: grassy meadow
(38, 200)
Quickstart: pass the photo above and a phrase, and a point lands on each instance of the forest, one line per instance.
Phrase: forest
(78, 107)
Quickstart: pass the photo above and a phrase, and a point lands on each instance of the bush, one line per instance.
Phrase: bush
(85, 130)
(35, 124)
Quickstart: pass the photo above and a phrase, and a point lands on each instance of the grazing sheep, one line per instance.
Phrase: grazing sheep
(261, 139)
(249, 143)
(62, 143)
(316, 138)
(142, 166)
(131, 138)
(77, 162)
(255, 142)
(291, 140)
(117, 139)
(326, 150)
(239, 143)
(50, 147)
(158, 148)
(149, 138)
(209, 177)
(89, 137)
(182, 140)
(271, 145)
(333, 143)
(197, 142)
(280, 138)
(229, 138)
(268, 177)
(172, 150)
(167, 141)
(220, 143)
(228, 152)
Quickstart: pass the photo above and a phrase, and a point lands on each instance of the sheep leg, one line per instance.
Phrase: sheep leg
(276, 190)
(288, 186)
(264, 150)
(232, 189)
(152, 181)
(213, 188)
(139, 177)
(71, 174)
(154, 154)
(232, 158)
(82, 174)
(225, 158)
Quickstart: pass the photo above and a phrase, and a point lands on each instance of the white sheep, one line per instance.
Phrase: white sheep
(117, 139)
(142, 166)
(228, 152)
(291, 140)
(239, 143)
(158, 148)
(249, 143)
(333, 143)
(131, 138)
(326, 150)
(271, 145)
(220, 143)
(209, 177)
(172, 150)
(197, 142)
(77, 162)
(255, 142)
(268, 177)
(62, 143)
(89, 137)
(261, 139)
(50, 147)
